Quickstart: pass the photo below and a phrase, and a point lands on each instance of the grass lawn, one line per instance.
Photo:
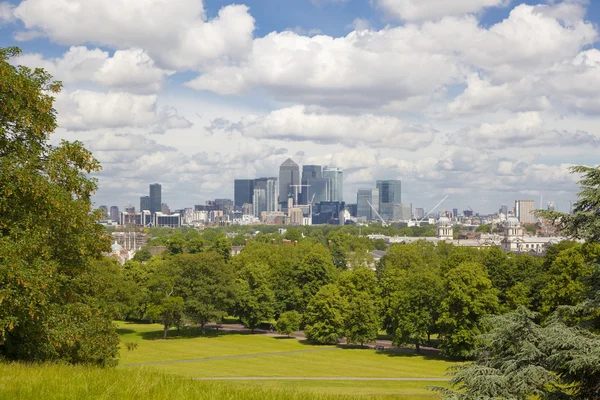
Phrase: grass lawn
(226, 354)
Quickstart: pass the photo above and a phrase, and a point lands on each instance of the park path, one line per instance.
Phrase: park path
(309, 378)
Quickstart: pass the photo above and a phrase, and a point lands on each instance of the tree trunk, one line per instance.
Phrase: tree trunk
(417, 347)
(429, 338)
(165, 330)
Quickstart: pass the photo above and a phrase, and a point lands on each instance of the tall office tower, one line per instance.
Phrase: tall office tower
(114, 213)
(243, 190)
(419, 213)
(504, 210)
(523, 211)
(310, 173)
(551, 206)
(155, 198)
(335, 176)
(363, 198)
(289, 176)
(104, 209)
(145, 203)
(130, 209)
(455, 212)
(266, 201)
(405, 212)
(390, 198)
(164, 208)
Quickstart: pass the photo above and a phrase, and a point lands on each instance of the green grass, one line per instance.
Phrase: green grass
(222, 354)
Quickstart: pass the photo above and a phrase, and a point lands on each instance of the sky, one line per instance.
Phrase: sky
(483, 101)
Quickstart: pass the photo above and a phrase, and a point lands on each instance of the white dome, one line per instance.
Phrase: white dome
(116, 247)
(444, 221)
(512, 222)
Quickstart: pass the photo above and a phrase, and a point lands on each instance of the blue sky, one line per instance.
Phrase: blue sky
(486, 101)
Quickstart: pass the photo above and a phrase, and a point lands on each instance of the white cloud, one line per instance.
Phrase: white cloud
(526, 129)
(420, 10)
(174, 32)
(87, 110)
(6, 13)
(131, 70)
(299, 123)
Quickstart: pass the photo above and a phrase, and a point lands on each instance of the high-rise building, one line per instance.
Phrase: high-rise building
(243, 190)
(504, 210)
(155, 198)
(455, 212)
(523, 210)
(130, 209)
(363, 208)
(405, 211)
(114, 213)
(335, 176)
(289, 181)
(145, 203)
(419, 213)
(390, 197)
(164, 208)
(265, 195)
(310, 174)
(104, 209)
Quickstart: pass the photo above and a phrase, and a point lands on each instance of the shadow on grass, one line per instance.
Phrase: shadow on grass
(189, 333)
(124, 331)
(283, 337)
(408, 352)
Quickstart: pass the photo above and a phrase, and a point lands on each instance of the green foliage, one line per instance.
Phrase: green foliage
(468, 298)
(361, 318)
(49, 239)
(288, 322)
(142, 255)
(255, 299)
(324, 319)
(485, 228)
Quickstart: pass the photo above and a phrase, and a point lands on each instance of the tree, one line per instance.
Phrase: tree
(165, 303)
(255, 300)
(361, 319)
(468, 298)
(142, 255)
(323, 317)
(288, 322)
(206, 286)
(222, 247)
(48, 235)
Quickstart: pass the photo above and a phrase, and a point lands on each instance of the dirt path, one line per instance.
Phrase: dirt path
(308, 378)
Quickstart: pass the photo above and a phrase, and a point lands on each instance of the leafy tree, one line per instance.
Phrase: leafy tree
(142, 255)
(176, 244)
(169, 310)
(222, 247)
(293, 234)
(468, 298)
(165, 303)
(48, 236)
(288, 322)
(361, 319)
(315, 270)
(323, 317)
(206, 286)
(255, 300)
(485, 228)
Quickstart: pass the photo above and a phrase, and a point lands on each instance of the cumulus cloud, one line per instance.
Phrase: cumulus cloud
(177, 33)
(6, 13)
(131, 70)
(526, 129)
(420, 10)
(88, 110)
(300, 123)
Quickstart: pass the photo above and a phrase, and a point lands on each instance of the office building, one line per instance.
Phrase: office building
(164, 208)
(455, 212)
(311, 176)
(389, 199)
(504, 210)
(329, 212)
(105, 214)
(335, 177)
(114, 213)
(419, 213)
(243, 190)
(366, 201)
(405, 212)
(265, 196)
(145, 203)
(524, 211)
(289, 182)
(169, 221)
(155, 198)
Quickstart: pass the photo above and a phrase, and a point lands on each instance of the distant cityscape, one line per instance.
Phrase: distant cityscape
(311, 195)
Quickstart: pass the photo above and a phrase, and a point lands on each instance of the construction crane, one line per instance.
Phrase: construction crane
(310, 205)
(432, 210)
(383, 223)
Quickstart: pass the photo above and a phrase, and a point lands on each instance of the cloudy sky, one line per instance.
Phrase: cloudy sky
(486, 101)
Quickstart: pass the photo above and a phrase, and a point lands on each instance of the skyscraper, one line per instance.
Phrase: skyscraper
(105, 211)
(265, 195)
(389, 199)
(243, 190)
(155, 198)
(363, 198)
(310, 174)
(504, 210)
(405, 211)
(523, 211)
(289, 175)
(335, 176)
(114, 213)
(145, 203)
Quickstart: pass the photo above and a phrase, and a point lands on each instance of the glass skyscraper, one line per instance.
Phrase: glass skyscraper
(243, 190)
(335, 176)
(363, 198)
(155, 198)
(390, 198)
(289, 175)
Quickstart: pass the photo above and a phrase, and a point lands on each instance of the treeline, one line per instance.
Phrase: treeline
(415, 291)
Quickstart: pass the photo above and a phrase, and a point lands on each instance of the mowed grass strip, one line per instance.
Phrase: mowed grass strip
(49, 382)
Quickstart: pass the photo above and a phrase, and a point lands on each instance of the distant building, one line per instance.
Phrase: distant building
(455, 212)
(289, 178)
(114, 213)
(310, 175)
(243, 190)
(405, 212)
(164, 208)
(365, 198)
(419, 213)
(390, 197)
(145, 203)
(247, 209)
(155, 198)
(329, 212)
(550, 206)
(352, 209)
(169, 221)
(504, 210)
(130, 209)
(265, 196)
(524, 211)
(335, 177)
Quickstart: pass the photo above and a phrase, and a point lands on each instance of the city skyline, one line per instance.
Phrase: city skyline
(485, 102)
